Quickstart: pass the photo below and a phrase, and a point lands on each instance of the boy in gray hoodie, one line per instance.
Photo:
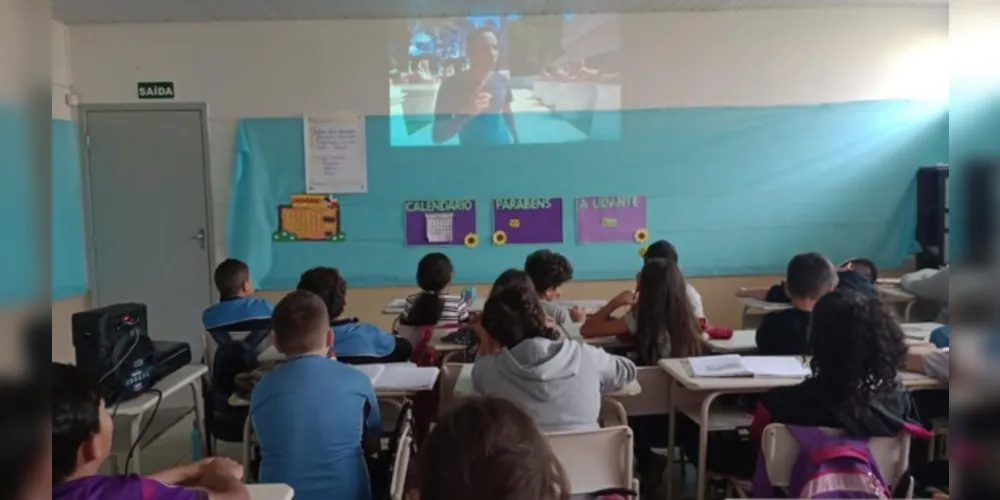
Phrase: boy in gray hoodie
(558, 382)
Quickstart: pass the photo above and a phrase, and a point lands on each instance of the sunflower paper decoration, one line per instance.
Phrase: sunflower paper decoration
(641, 235)
(471, 240)
(499, 238)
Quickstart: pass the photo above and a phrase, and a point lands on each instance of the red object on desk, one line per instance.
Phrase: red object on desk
(715, 332)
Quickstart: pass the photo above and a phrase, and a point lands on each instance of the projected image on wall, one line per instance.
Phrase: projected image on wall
(505, 79)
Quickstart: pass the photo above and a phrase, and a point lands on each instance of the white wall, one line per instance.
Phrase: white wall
(738, 58)
(61, 81)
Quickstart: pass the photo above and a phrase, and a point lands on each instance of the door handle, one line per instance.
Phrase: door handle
(200, 236)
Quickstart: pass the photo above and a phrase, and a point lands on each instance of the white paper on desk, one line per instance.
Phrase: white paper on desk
(439, 227)
(397, 304)
(730, 365)
(777, 366)
(407, 377)
(373, 371)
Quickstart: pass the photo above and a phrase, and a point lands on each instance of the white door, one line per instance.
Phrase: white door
(149, 215)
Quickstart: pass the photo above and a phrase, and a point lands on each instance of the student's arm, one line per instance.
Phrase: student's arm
(602, 324)
(220, 478)
(934, 363)
(752, 293)
(931, 286)
(373, 422)
(221, 483)
(616, 371)
(463, 311)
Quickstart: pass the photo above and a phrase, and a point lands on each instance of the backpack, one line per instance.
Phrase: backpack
(232, 357)
(827, 467)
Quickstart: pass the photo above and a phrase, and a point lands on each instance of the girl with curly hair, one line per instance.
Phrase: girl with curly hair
(857, 347)
(558, 381)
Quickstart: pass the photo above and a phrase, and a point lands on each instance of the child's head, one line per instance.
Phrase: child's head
(661, 249)
(232, 279)
(808, 277)
(864, 267)
(664, 313)
(512, 278)
(489, 449)
(327, 283)
(548, 271)
(81, 425)
(433, 276)
(301, 324)
(25, 455)
(856, 345)
(514, 314)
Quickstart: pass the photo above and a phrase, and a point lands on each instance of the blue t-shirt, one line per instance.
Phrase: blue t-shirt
(354, 339)
(489, 127)
(238, 313)
(309, 417)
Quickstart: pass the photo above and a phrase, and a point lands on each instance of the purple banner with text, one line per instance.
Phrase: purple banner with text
(439, 222)
(527, 220)
(609, 218)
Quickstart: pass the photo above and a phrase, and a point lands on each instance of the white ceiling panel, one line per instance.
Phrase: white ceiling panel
(160, 11)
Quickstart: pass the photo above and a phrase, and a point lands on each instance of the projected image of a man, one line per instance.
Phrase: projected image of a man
(475, 104)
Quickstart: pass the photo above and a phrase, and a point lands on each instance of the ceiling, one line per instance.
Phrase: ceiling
(158, 11)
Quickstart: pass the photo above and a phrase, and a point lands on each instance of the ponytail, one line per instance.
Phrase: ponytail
(426, 310)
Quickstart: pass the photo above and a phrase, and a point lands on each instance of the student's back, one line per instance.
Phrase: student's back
(237, 309)
(808, 277)
(309, 416)
(558, 382)
(434, 305)
(312, 414)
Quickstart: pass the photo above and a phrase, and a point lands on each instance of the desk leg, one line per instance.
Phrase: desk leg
(199, 417)
(908, 310)
(706, 406)
(133, 467)
(671, 437)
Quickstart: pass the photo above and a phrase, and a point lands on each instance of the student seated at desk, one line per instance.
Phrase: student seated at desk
(81, 441)
(558, 382)
(931, 285)
(857, 346)
(663, 249)
(237, 310)
(549, 271)
(809, 277)
(488, 449)
(661, 323)
(313, 416)
(354, 342)
(434, 305)
(858, 274)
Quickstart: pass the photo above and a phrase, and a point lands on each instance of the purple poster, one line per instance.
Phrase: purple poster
(609, 218)
(439, 222)
(527, 220)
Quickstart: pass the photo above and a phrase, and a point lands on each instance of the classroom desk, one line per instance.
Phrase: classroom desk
(712, 388)
(133, 410)
(745, 341)
(270, 492)
(742, 342)
(590, 305)
(895, 295)
(463, 386)
(572, 332)
(888, 289)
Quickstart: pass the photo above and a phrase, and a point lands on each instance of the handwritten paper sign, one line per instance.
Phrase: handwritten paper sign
(609, 218)
(527, 220)
(335, 154)
(427, 221)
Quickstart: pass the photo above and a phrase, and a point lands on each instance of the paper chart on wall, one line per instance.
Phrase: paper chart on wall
(335, 160)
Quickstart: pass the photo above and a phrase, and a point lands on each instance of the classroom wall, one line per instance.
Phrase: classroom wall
(672, 60)
(69, 267)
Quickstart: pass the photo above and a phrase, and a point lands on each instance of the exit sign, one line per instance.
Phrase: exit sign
(156, 90)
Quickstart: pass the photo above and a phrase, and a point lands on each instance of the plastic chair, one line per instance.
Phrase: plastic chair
(401, 465)
(653, 399)
(612, 413)
(596, 460)
(780, 450)
(448, 379)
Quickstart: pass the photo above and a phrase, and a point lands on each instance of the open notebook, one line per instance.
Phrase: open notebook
(734, 365)
(400, 376)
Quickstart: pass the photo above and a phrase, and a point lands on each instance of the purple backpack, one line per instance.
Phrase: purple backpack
(827, 467)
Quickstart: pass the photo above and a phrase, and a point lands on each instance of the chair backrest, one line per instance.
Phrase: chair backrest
(655, 383)
(780, 450)
(595, 460)
(448, 380)
(400, 466)
(612, 413)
